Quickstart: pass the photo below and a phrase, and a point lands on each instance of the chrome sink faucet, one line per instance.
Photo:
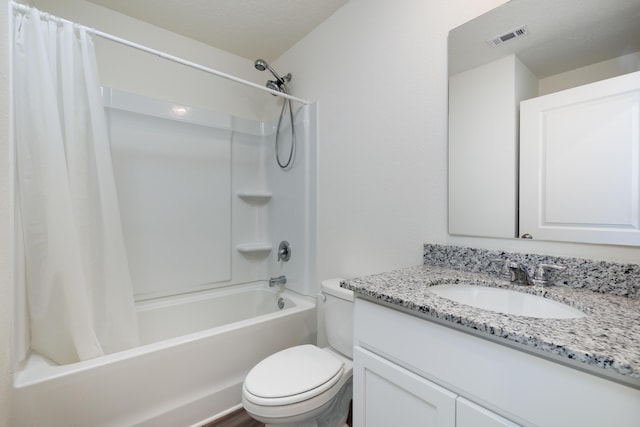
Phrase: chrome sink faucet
(543, 274)
(519, 273)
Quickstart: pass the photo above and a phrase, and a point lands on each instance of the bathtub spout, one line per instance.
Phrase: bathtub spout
(274, 280)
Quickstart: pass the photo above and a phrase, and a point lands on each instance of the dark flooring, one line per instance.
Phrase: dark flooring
(238, 418)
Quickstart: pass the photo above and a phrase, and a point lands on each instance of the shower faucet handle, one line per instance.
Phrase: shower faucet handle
(284, 251)
(275, 280)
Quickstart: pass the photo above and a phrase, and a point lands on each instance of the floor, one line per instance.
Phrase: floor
(240, 418)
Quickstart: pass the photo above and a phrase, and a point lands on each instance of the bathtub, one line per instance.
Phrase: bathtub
(195, 352)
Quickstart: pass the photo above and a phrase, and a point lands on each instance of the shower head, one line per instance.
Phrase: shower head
(262, 65)
(274, 85)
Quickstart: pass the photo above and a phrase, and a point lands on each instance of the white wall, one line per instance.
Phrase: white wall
(379, 72)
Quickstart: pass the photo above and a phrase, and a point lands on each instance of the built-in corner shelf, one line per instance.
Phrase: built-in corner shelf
(254, 248)
(257, 197)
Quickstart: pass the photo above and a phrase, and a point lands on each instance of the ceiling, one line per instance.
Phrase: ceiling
(563, 34)
(248, 28)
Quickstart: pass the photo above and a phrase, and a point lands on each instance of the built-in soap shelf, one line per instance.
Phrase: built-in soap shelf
(254, 248)
(257, 197)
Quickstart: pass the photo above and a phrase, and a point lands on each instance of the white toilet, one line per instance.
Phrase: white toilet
(308, 386)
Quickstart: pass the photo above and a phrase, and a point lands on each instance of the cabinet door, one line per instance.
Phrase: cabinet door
(388, 395)
(580, 163)
(468, 414)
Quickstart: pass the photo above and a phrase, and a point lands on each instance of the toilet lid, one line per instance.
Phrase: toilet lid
(293, 371)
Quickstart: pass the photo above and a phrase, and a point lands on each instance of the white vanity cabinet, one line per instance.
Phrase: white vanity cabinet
(469, 414)
(390, 395)
(413, 372)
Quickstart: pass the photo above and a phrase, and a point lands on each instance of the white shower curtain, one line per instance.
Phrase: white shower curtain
(79, 292)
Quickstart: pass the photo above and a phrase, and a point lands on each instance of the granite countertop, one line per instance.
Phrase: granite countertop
(607, 338)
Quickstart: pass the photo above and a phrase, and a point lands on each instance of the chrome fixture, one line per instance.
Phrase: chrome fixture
(284, 251)
(277, 280)
(280, 85)
(542, 276)
(273, 85)
(519, 273)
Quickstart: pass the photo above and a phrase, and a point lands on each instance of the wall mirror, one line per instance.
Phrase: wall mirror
(580, 174)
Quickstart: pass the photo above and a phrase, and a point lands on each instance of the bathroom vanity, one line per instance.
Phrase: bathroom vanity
(421, 359)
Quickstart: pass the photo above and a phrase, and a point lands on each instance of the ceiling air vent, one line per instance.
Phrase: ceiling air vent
(510, 35)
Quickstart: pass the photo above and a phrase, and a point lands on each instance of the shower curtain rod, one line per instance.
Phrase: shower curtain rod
(24, 8)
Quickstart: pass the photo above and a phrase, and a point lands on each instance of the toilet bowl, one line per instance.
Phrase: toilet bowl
(305, 385)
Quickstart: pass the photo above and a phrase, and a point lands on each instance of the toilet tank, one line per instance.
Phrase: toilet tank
(338, 316)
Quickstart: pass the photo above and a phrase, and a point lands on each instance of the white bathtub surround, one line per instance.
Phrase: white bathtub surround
(77, 276)
(220, 203)
(190, 368)
(172, 166)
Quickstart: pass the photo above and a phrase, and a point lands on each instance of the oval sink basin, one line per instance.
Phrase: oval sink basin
(506, 301)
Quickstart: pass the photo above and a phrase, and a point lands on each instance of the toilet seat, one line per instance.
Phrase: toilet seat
(293, 375)
(306, 405)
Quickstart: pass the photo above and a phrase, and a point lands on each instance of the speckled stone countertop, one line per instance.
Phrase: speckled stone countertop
(606, 341)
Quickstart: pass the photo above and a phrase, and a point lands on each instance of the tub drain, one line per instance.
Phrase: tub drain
(280, 303)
